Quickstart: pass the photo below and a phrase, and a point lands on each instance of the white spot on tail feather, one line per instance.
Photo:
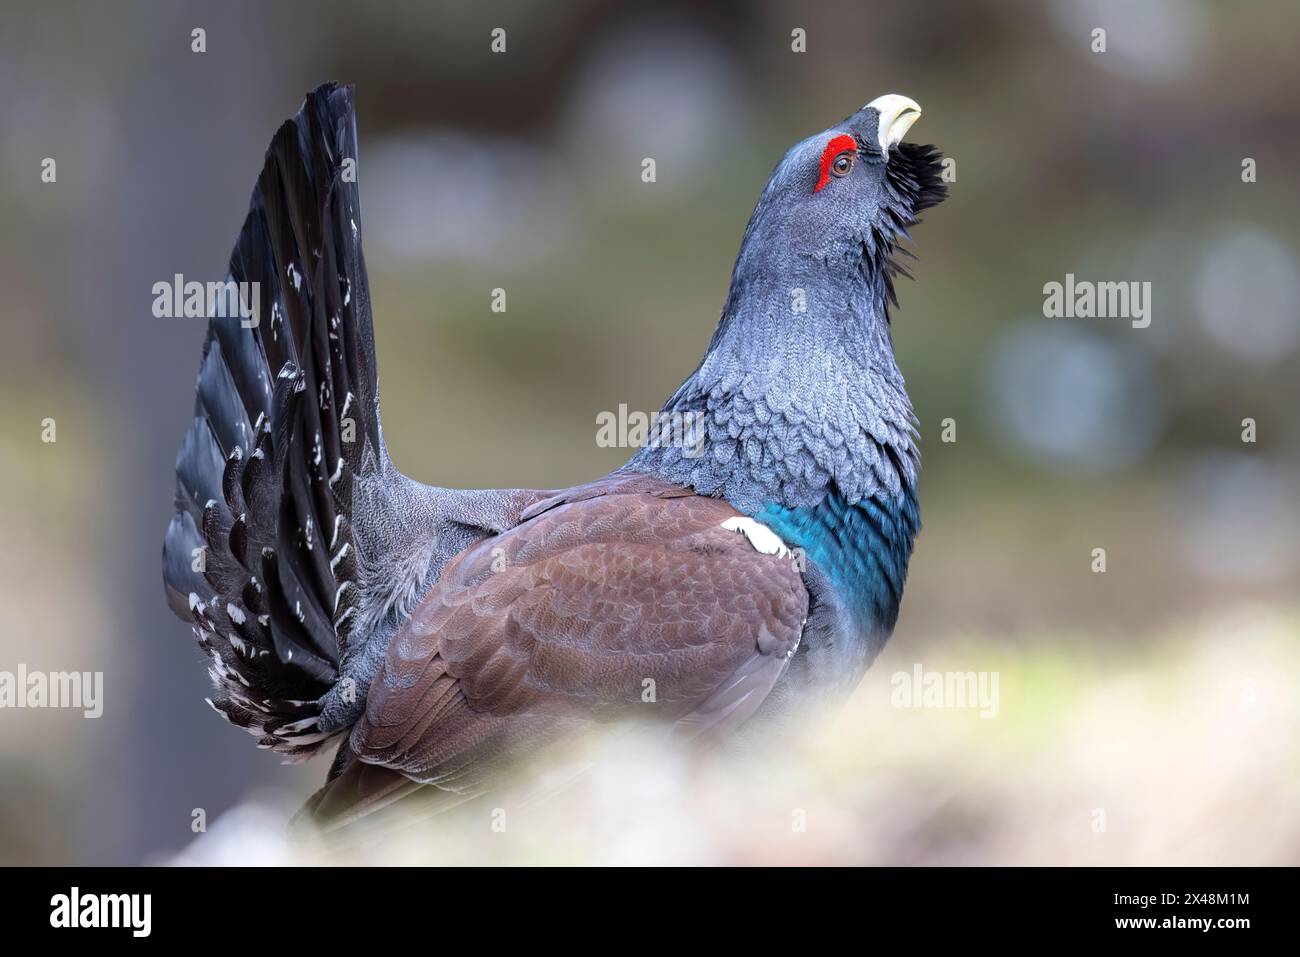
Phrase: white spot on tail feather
(339, 594)
(295, 727)
(342, 551)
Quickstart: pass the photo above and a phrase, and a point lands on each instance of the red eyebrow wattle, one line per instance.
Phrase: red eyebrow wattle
(834, 148)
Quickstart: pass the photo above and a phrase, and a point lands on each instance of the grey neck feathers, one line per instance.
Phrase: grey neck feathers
(799, 394)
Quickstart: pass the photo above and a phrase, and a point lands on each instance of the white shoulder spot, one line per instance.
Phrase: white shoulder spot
(760, 536)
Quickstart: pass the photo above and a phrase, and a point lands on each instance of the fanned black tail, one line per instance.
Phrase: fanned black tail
(260, 555)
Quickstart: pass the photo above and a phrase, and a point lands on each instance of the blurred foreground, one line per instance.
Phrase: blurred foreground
(1182, 750)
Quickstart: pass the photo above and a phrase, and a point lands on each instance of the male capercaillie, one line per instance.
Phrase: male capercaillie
(432, 635)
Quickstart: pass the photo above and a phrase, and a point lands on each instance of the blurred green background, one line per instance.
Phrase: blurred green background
(521, 171)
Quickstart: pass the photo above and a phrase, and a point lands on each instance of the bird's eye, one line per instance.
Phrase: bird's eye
(843, 163)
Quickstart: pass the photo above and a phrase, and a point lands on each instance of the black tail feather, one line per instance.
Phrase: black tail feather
(259, 555)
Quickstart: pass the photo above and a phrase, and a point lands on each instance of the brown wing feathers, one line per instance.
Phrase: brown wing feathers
(565, 619)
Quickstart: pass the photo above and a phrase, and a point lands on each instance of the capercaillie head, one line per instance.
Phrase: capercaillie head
(841, 198)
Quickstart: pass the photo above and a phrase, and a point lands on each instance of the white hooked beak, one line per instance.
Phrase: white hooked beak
(897, 114)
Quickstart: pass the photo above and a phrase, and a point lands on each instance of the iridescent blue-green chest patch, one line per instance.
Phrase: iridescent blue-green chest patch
(862, 547)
